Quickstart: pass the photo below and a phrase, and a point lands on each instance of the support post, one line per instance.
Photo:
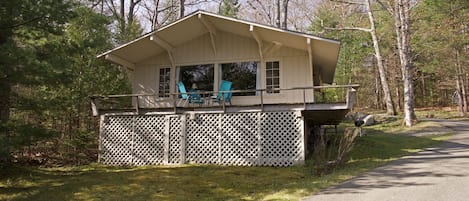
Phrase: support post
(101, 134)
(262, 100)
(310, 63)
(165, 45)
(136, 104)
(351, 94)
(258, 40)
(183, 135)
(166, 141)
(94, 109)
(304, 98)
(260, 160)
(220, 136)
(223, 101)
(211, 29)
(174, 96)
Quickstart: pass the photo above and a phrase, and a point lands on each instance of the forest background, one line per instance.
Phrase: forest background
(405, 54)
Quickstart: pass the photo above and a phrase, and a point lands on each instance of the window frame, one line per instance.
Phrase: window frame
(164, 79)
(272, 88)
(258, 79)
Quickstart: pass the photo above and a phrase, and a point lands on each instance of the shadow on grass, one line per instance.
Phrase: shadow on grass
(190, 182)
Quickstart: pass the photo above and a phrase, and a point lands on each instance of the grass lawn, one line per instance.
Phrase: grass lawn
(192, 182)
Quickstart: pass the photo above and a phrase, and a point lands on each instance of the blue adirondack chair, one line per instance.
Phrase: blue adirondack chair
(224, 93)
(191, 98)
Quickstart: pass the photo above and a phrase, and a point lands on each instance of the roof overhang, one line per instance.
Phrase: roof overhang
(324, 52)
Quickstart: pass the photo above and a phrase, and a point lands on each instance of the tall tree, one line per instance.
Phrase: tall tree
(125, 14)
(381, 68)
(401, 12)
(272, 12)
(402, 28)
(285, 14)
(440, 41)
(25, 20)
(278, 17)
(182, 8)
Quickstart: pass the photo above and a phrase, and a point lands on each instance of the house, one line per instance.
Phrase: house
(280, 84)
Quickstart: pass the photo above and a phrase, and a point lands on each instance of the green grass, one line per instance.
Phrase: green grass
(192, 182)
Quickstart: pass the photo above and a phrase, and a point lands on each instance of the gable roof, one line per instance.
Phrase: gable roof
(324, 51)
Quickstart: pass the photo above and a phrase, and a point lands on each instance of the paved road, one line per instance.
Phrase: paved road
(440, 173)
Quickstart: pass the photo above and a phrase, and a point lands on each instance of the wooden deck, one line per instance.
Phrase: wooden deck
(321, 113)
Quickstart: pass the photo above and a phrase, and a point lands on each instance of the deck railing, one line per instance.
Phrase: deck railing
(317, 94)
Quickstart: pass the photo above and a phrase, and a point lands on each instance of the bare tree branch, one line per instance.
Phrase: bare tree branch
(348, 29)
(349, 2)
(386, 7)
(24, 23)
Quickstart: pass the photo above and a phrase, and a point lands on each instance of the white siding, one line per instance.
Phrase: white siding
(294, 66)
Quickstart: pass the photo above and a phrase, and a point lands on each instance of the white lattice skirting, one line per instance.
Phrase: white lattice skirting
(251, 139)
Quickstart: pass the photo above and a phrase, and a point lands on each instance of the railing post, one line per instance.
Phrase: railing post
(351, 93)
(136, 104)
(262, 100)
(174, 97)
(304, 98)
(313, 95)
(94, 109)
(223, 100)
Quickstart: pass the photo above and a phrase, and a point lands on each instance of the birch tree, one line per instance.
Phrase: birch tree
(400, 11)
(390, 109)
(402, 28)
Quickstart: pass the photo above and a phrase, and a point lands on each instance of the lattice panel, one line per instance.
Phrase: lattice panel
(202, 142)
(282, 138)
(116, 140)
(257, 138)
(175, 135)
(240, 139)
(149, 140)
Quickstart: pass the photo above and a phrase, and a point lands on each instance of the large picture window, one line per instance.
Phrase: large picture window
(243, 75)
(163, 89)
(197, 76)
(272, 76)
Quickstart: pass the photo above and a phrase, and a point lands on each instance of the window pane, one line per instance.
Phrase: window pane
(200, 75)
(276, 73)
(268, 65)
(276, 81)
(268, 81)
(272, 75)
(243, 75)
(275, 65)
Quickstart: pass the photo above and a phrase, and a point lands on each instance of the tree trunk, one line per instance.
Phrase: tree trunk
(398, 95)
(462, 82)
(122, 9)
(5, 92)
(285, 13)
(377, 92)
(154, 23)
(277, 21)
(462, 101)
(382, 71)
(182, 8)
(402, 26)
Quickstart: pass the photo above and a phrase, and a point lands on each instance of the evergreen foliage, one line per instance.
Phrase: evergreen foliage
(47, 73)
(229, 8)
